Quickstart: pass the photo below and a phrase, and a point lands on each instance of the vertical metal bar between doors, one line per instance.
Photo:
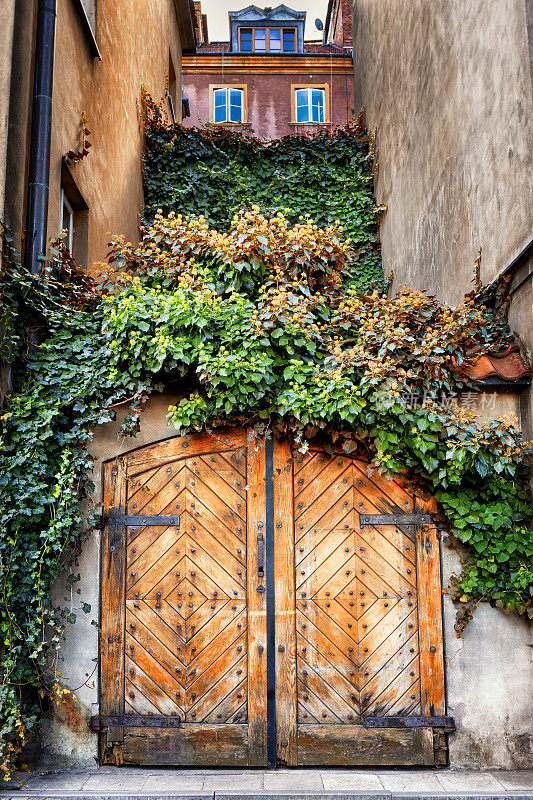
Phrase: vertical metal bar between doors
(270, 609)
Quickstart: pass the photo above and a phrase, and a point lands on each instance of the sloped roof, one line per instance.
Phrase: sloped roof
(507, 365)
(309, 47)
(213, 47)
(279, 12)
(318, 47)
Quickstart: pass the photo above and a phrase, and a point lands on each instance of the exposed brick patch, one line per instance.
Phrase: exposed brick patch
(339, 23)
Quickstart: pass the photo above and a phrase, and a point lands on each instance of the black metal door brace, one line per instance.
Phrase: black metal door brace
(270, 605)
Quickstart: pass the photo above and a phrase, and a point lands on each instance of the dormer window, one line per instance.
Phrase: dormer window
(267, 40)
(289, 40)
(276, 31)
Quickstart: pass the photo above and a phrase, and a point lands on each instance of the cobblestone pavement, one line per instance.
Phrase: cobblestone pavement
(296, 784)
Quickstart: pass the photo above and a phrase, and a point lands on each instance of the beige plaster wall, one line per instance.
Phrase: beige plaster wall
(447, 86)
(489, 675)
(7, 25)
(134, 44)
(448, 89)
(18, 102)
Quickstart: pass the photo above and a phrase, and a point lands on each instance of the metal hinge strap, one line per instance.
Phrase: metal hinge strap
(447, 723)
(394, 519)
(98, 723)
(118, 520)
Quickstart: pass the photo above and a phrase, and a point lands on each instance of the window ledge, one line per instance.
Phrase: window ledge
(229, 124)
(87, 29)
(310, 123)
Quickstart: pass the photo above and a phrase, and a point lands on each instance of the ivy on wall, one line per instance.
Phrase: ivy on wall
(217, 172)
(276, 317)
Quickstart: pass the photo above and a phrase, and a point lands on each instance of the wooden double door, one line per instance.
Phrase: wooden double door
(263, 607)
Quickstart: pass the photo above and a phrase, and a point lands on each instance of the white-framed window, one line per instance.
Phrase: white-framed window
(228, 105)
(310, 105)
(66, 221)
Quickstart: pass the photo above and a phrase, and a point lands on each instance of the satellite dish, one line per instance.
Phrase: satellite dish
(319, 25)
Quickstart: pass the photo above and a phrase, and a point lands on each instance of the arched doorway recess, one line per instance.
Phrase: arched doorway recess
(260, 606)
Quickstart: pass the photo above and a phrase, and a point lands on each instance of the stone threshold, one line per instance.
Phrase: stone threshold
(264, 795)
(137, 783)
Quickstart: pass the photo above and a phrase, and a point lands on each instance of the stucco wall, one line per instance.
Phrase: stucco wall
(134, 44)
(269, 99)
(20, 64)
(7, 25)
(447, 87)
(488, 675)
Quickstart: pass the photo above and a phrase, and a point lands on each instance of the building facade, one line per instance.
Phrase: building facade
(338, 26)
(267, 79)
(102, 56)
(455, 173)
(447, 87)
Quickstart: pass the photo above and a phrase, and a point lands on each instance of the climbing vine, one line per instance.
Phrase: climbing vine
(252, 306)
(217, 172)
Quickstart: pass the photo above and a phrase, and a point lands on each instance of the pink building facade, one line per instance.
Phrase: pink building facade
(266, 79)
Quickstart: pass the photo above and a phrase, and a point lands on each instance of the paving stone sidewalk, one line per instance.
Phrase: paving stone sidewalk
(298, 784)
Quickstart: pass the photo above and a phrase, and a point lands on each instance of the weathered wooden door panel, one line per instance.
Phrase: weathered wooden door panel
(183, 625)
(358, 624)
(341, 572)
(334, 745)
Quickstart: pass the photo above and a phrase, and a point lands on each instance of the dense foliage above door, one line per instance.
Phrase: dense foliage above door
(257, 315)
(217, 173)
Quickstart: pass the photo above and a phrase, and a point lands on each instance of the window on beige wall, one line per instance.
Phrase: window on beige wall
(66, 221)
(172, 88)
(73, 219)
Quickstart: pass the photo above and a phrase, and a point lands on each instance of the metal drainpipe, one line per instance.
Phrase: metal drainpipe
(39, 169)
